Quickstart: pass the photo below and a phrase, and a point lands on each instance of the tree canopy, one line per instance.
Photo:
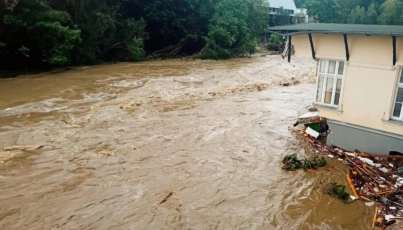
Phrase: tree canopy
(384, 12)
(49, 33)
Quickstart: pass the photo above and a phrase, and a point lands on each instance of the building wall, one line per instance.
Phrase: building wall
(352, 137)
(370, 79)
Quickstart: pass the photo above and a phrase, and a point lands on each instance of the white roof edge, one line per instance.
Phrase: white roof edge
(286, 4)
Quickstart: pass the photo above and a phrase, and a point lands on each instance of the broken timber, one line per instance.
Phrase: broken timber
(372, 177)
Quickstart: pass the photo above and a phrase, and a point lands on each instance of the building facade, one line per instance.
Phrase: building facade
(359, 85)
(279, 7)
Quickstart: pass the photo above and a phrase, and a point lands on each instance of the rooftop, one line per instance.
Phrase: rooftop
(329, 28)
(286, 4)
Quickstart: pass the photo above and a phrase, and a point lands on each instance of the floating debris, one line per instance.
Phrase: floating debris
(377, 179)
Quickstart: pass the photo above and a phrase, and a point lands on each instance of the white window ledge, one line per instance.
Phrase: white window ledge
(329, 108)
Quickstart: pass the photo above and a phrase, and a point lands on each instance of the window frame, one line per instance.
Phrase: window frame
(326, 76)
(398, 85)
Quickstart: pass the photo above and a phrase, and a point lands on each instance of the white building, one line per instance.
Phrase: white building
(301, 16)
(359, 86)
(287, 5)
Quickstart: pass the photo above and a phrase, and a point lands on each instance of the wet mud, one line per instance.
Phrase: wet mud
(176, 144)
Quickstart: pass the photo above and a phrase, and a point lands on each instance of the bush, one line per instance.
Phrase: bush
(136, 50)
(313, 163)
(248, 46)
(338, 191)
(275, 39)
(275, 43)
(36, 35)
(291, 163)
(235, 27)
(216, 53)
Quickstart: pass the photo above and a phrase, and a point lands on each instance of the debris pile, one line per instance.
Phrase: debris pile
(375, 178)
(372, 177)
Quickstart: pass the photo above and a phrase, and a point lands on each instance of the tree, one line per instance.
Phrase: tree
(227, 27)
(37, 35)
(326, 10)
(131, 47)
(257, 22)
(107, 34)
(345, 9)
(391, 13)
(367, 3)
(282, 17)
(357, 16)
(258, 11)
(234, 28)
(179, 25)
(300, 3)
(97, 20)
(372, 15)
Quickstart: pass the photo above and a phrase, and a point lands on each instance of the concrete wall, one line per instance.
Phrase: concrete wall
(370, 80)
(352, 137)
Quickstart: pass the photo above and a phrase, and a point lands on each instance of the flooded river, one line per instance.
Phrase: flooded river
(176, 144)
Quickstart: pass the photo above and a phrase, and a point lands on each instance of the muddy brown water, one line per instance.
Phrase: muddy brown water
(177, 144)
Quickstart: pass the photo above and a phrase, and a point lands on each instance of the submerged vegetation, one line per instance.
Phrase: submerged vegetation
(292, 162)
(337, 191)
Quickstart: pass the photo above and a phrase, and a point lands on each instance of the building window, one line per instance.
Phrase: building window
(330, 77)
(397, 110)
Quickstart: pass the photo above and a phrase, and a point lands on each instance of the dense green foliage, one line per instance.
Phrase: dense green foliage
(338, 191)
(37, 34)
(235, 27)
(384, 12)
(291, 162)
(49, 33)
(275, 43)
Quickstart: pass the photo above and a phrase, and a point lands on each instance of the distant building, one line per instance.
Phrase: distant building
(301, 16)
(359, 84)
(287, 5)
(295, 16)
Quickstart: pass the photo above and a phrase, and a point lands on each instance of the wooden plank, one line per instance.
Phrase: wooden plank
(387, 192)
(378, 155)
(367, 199)
(351, 185)
(372, 189)
(375, 214)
